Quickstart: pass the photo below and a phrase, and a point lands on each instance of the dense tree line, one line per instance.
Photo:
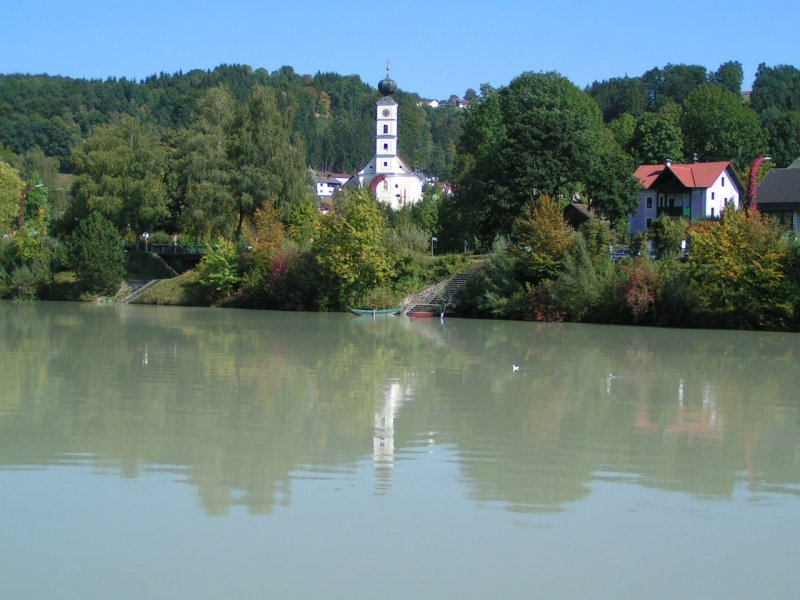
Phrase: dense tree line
(332, 114)
(683, 111)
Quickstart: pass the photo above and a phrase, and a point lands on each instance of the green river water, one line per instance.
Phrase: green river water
(199, 453)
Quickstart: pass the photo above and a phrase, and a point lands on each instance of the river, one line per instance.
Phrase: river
(205, 453)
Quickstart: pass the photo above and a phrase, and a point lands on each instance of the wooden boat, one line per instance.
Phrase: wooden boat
(420, 314)
(375, 312)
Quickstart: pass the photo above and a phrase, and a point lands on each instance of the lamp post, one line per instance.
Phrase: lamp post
(22, 197)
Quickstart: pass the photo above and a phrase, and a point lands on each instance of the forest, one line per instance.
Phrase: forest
(222, 157)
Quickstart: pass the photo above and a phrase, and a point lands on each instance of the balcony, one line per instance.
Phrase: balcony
(673, 211)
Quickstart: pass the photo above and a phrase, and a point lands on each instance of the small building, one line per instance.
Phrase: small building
(692, 191)
(428, 102)
(577, 213)
(779, 195)
(326, 184)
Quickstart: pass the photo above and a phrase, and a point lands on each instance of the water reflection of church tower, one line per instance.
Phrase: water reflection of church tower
(383, 430)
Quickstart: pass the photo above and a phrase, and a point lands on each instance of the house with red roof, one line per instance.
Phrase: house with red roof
(692, 191)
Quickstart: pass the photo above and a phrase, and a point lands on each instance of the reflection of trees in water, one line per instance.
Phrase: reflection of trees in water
(671, 415)
(241, 402)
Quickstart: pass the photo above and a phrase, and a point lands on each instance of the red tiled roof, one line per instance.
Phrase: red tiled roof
(692, 175)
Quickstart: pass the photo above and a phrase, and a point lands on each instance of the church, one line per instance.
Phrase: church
(388, 177)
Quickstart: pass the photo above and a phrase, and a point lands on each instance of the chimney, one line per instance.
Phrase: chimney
(668, 162)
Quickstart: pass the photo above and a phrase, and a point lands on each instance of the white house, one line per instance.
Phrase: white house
(388, 177)
(693, 191)
(326, 184)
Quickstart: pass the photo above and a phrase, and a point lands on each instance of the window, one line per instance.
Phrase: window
(712, 211)
(385, 164)
(386, 146)
(385, 129)
(712, 195)
(397, 185)
(649, 202)
(649, 222)
(385, 184)
(723, 182)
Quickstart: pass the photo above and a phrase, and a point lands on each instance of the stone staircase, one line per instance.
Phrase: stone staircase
(438, 297)
(137, 287)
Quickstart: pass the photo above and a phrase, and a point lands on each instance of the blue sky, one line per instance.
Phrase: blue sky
(436, 48)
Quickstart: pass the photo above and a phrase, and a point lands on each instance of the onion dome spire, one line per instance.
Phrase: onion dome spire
(387, 86)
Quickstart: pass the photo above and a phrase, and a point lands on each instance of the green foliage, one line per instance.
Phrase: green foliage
(351, 252)
(10, 189)
(613, 189)
(717, 125)
(729, 76)
(264, 161)
(599, 238)
(303, 222)
(667, 234)
(219, 268)
(672, 83)
(201, 199)
(676, 301)
(120, 172)
(26, 266)
(540, 238)
(289, 282)
(623, 129)
(618, 96)
(584, 289)
(29, 244)
(738, 266)
(776, 90)
(494, 291)
(656, 138)
(536, 136)
(784, 138)
(96, 255)
(406, 239)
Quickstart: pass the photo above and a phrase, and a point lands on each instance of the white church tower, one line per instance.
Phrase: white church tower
(388, 177)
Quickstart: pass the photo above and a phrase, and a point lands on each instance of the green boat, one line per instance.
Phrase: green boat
(375, 312)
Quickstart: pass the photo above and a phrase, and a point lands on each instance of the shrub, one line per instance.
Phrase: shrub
(639, 288)
(584, 291)
(218, 269)
(739, 266)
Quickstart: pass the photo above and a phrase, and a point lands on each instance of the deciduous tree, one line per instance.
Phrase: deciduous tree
(10, 189)
(717, 125)
(350, 251)
(265, 161)
(120, 172)
(540, 238)
(536, 136)
(738, 267)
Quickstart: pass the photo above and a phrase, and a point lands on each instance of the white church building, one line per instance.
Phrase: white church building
(388, 177)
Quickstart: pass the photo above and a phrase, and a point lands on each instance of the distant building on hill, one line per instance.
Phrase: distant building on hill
(387, 175)
(692, 191)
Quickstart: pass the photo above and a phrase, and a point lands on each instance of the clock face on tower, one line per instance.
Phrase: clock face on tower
(386, 112)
